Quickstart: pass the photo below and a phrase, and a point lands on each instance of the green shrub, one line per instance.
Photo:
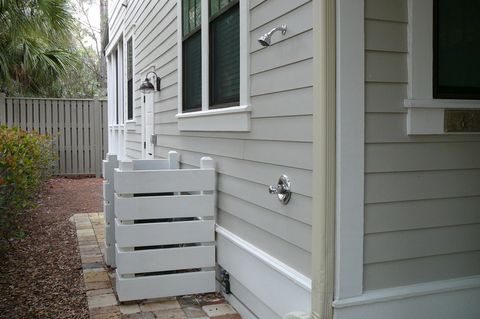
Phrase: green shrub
(26, 160)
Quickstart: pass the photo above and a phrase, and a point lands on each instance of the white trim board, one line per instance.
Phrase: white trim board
(350, 149)
(278, 286)
(230, 119)
(454, 298)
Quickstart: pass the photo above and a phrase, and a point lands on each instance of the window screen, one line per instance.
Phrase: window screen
(217, 5)
(224, 53)
(117, 101)
(129, 79)
(456, 49)
(192, 55)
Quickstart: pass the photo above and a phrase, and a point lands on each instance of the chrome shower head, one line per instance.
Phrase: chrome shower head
(266, 39)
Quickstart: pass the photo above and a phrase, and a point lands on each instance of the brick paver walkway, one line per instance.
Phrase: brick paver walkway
(100, 281)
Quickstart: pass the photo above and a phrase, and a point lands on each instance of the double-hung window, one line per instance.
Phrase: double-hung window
(456, 49)
(444, 65)
(214, 64)
(118, 93)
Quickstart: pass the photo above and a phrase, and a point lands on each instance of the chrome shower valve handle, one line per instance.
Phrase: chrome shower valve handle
(282, 189)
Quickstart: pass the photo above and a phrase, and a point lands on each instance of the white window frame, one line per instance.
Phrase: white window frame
(425, 114)
(116, 131)
(116, 88)
(130, 33)
(228, 119)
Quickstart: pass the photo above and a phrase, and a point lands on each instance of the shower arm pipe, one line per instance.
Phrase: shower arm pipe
(282, 28)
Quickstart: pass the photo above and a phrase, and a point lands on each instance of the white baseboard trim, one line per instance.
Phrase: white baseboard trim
(262, 277)
(299, 279)
(441, 299)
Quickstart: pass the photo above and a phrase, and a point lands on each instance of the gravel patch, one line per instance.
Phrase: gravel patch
(41, 275)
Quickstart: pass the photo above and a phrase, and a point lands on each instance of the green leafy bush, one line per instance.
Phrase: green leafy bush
(26, 160)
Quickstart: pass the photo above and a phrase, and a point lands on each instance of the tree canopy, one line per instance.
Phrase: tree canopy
(36, 42)
(42, 51)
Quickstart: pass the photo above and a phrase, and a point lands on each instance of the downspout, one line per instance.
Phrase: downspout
(324, 109)
(324, 161)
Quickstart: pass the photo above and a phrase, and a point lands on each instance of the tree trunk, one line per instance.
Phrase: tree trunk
(104, 42)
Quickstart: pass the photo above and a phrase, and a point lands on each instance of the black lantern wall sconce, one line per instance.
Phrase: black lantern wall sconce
(147, 86)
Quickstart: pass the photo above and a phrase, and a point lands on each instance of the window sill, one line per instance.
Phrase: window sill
(229, 119)
(427, 116)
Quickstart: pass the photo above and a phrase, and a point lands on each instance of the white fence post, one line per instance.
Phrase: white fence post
(173, 160)
(109, 165)
(173, 224)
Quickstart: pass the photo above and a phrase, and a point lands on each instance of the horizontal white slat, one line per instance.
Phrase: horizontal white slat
(136, 235)
(150, 164)
(152, 260)
(151, 207)
(184, 180)
(165, 285)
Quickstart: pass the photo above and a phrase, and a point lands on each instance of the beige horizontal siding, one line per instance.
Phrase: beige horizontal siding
(415, 270)
(398, 245)
(249, 162)
(422, 193)
(298, 20)
(407, 157)
(407, 215)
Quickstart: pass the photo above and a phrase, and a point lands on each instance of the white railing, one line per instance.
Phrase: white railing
(164, 228)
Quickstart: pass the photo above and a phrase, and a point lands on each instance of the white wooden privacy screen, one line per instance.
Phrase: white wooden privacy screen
(164, 228)
(78, 127)
(109, 164)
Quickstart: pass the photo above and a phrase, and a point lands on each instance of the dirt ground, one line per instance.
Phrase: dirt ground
(41, 276)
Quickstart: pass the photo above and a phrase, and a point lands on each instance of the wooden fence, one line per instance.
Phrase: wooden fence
(78, 126)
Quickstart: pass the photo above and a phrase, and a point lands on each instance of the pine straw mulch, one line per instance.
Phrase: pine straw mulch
(41, 275)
